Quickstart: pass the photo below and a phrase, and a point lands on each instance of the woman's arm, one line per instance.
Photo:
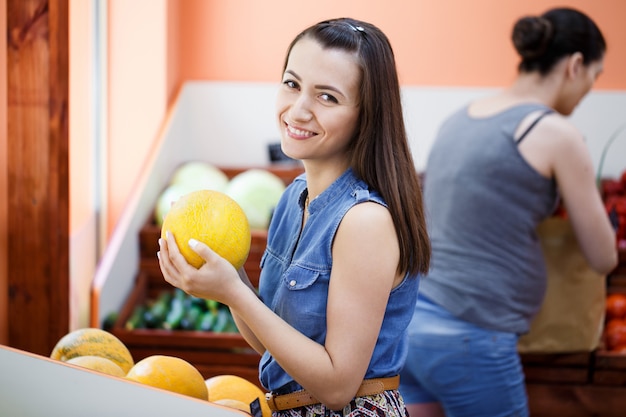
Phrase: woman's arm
(557, 149)
(241, 325)
(365, 259)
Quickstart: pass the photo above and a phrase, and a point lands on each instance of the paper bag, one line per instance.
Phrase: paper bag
(572, 314)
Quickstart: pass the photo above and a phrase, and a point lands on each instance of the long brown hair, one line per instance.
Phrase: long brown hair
(380, 151)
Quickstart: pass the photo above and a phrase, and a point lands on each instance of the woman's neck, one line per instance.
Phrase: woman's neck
(320, 176)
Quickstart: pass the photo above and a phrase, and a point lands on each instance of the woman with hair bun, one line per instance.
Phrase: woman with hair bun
(497, 169)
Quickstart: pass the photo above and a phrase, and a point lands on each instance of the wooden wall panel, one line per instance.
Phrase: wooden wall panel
(38, 185)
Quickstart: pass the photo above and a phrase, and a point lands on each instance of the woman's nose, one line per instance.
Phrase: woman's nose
(301, 109)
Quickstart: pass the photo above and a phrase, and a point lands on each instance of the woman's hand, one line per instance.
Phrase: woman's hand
(217, 279)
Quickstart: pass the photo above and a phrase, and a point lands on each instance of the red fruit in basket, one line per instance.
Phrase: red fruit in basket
(619, 349)
(615, 333)
(616, 306)
(611, 187)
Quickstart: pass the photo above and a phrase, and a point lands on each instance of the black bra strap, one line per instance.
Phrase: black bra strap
(545, 113)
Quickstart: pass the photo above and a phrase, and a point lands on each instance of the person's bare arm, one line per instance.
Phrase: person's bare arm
(556, 148)
(365, 259)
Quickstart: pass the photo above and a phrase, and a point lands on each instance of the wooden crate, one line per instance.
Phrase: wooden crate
(570, 368)
(575, 400)
(609, 369)
(212, 353)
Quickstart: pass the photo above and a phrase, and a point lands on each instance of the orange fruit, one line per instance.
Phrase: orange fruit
(99, 364)
(91, 341)
(233, 387)
(169, 373)
(213, 218)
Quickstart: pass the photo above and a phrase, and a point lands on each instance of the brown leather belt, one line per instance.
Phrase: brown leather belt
(302, 398)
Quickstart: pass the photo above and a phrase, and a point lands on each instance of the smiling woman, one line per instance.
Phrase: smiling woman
(346, 241)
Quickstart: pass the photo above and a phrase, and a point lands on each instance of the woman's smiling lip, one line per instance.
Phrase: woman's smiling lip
(297, 133)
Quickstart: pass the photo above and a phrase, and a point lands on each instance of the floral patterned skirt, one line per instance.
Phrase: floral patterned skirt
(386, 404)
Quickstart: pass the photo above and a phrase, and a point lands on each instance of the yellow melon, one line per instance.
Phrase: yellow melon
(91, 341)
(170, 373)
(233, 387)
(213, 218)
(97, 363)
(236, 404)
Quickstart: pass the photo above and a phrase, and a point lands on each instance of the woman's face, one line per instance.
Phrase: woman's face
(318, 102)
(580, 86)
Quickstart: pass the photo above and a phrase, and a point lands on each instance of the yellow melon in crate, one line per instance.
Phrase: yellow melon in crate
(233, 387)
(170, 373)
(91, 341)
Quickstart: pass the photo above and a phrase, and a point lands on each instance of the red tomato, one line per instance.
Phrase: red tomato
(616, 306)
(615, 333)
(611, 187)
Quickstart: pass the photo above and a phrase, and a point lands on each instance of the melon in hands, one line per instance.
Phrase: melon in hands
(213, 218)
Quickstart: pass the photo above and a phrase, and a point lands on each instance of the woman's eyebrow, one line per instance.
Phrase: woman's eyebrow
(318, 86)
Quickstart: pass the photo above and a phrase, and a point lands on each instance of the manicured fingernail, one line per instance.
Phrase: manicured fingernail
(159, 254)
(193, 243)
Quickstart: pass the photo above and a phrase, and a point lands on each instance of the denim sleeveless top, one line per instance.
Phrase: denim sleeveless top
(295, 276)
(483, 203)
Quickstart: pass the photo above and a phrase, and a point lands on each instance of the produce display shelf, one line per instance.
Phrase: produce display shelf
(212, 353)
(33, 385)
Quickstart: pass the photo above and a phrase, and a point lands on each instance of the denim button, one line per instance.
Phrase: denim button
(292, 283)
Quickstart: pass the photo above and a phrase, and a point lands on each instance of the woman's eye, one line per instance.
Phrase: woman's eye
(290, 84)
(328, 97)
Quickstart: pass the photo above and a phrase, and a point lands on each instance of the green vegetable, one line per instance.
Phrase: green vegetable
(175, 314)
(136, 320)
(207, 321)
(192, 317)
(159, 310)
(221, 320)
(212, 305)
(109, 321)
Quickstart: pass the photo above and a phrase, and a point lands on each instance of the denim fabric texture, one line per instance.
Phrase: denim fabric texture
(295, 275)
(477, 372)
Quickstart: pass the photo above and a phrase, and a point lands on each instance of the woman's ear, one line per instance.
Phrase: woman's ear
(575, 63)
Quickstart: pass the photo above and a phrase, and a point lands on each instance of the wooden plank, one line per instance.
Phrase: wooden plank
(556, 374)
(38, 180)
(549, 400)
(613, 377)
(610, 360)
(578, 359)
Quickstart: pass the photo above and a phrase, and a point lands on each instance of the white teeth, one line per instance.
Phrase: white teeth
(299, 132)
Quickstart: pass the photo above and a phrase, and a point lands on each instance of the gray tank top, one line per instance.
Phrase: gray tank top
(483, 203)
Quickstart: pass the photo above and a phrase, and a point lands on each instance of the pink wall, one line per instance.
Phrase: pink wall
(455, 43)
(137, 82)
(443, 43)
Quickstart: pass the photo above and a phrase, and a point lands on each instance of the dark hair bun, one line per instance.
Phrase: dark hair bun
(531, 36)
